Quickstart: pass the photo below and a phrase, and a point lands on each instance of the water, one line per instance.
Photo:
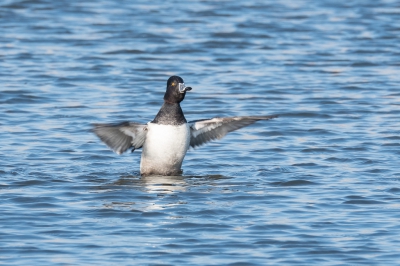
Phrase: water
(320, 185)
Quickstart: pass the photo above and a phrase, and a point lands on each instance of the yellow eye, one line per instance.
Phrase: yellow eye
(173, 83)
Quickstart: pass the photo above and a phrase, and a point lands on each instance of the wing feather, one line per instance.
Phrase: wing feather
(203, 131)
(120, 137)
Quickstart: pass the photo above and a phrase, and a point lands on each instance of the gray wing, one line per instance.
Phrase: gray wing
(203, 131)
(120, 137)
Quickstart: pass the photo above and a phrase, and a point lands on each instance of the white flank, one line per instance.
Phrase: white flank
(164, 149)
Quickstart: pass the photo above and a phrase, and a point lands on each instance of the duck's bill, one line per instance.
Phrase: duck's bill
(183, 88)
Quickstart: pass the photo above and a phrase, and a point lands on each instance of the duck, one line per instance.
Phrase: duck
(166, 139)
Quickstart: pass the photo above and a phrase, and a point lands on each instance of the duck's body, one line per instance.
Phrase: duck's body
(166, 139)
(164, 149)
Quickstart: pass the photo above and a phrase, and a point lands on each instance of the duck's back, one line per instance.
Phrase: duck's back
(164, 149)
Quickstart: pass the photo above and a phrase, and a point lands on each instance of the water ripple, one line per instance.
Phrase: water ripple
(319, 185)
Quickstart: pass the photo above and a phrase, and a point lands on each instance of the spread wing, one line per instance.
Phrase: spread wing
(120, 137)
(203, 131)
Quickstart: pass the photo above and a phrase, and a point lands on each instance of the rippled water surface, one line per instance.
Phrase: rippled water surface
(320, 185)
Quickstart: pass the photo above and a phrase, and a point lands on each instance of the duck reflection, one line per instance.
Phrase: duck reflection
(167, 184)
(155, 193)
(155, 183)
(164, 184)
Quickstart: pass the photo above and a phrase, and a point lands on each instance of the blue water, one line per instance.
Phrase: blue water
(320, 185)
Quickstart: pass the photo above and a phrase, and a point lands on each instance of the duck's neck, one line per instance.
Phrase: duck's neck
(170, 114)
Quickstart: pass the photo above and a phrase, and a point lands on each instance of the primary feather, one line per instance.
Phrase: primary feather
(205, 130)
(120, 137)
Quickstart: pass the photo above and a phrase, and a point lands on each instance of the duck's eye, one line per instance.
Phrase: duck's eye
(173, 83)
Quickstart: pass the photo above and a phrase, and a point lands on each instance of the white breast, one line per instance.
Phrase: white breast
(164, 149)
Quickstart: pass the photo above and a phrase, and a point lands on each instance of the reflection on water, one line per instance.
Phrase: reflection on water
(156, 189)
(155, 184)
(163, 184)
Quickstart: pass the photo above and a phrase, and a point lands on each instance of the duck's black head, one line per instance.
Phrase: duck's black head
(176, 90)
